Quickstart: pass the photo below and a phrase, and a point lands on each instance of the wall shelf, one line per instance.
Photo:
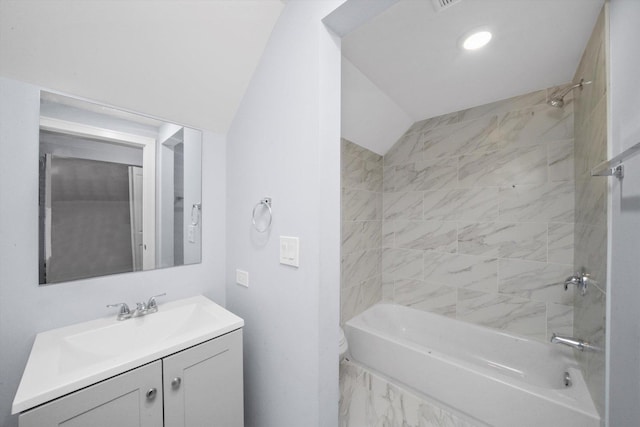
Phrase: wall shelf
(613, 166)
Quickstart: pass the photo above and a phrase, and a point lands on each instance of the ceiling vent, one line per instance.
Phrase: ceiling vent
(439, 5)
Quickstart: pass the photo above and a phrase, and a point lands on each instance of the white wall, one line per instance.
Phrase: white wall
(623, 311)
(285, 143)
(25, 307)
(369, 117)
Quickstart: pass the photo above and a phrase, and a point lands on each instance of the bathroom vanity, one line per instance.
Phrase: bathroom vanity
(181, 366)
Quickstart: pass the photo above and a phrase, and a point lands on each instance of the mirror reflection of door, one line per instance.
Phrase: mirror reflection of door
(86, 214)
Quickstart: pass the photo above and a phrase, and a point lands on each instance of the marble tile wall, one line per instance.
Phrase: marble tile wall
(368, 399)
(590, 106)
(361, 253)
(478, 216)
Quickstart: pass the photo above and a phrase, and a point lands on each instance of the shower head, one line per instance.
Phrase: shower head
(557, 101)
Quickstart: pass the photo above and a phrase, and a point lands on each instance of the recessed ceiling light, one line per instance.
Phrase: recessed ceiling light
(477, 40)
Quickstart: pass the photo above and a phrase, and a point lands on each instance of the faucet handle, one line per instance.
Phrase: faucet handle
(572, 280)
(124, 308)
(124, 312)
(152, 304)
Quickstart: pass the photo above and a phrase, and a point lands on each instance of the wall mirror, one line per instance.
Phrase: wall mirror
(119, 192)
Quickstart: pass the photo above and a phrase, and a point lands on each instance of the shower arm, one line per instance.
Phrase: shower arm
(570, 88)
(567, 90)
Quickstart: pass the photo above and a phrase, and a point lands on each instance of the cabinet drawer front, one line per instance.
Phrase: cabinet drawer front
(203, 384)
(119, 401)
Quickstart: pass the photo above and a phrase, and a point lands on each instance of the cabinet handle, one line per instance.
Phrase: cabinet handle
(151, 394)
(175, 383)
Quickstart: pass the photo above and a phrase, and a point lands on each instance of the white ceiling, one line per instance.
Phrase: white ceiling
(187, 61)
(411, 53)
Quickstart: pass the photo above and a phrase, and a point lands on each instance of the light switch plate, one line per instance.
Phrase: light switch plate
(242, 278)
(290, 251)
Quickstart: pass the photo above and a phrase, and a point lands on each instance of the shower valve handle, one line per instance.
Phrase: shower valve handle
(581, 280)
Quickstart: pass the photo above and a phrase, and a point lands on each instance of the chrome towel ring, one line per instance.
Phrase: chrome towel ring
(264, 202)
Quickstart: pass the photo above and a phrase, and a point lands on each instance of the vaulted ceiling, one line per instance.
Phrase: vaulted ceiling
(188, 61)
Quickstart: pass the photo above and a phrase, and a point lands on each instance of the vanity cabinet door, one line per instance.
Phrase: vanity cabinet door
(124, 401)
(203, 384)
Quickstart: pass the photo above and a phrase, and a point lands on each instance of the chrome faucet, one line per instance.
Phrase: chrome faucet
(576, 343)
(142, 308)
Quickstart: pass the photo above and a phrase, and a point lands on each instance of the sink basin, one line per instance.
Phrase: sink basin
(123, 337)
(67, 359)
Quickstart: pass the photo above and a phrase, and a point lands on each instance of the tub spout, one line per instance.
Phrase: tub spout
(576, 343)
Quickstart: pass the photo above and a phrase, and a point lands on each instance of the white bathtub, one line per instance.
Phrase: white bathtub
(500, 379)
